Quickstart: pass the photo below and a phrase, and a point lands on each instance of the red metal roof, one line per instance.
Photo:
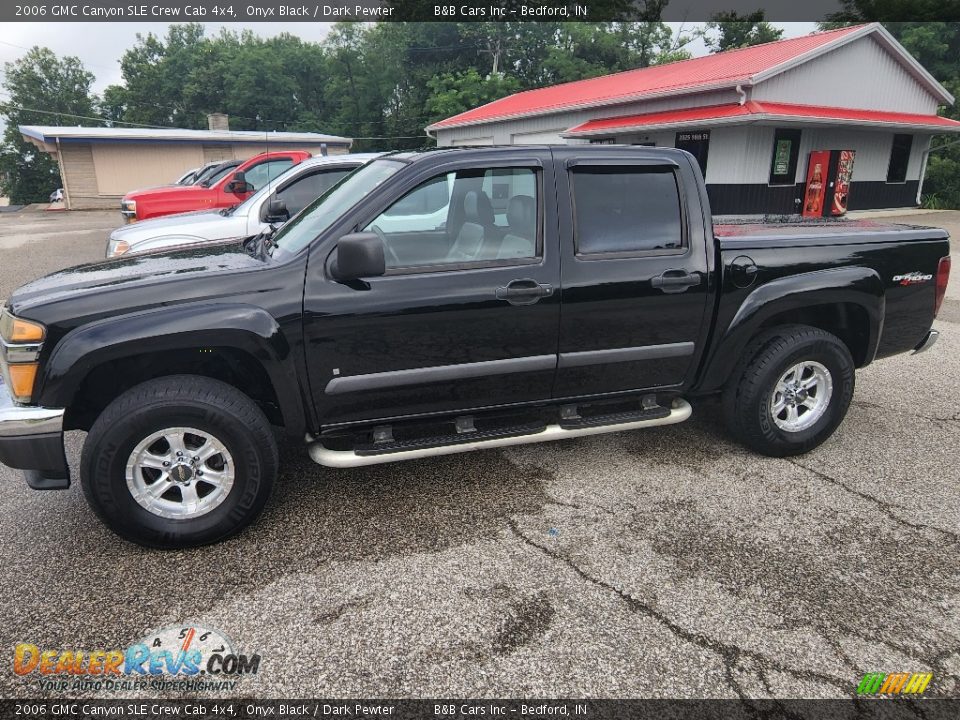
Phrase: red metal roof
(759, 111)
(724, 69)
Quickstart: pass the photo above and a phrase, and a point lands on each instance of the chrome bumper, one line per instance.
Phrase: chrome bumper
(31, 439)
(927, 342)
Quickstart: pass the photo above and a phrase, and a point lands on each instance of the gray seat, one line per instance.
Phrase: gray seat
(521, 241)
(478, 220)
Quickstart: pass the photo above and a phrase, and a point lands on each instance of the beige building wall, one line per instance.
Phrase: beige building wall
(122, 167)
(98, 175)
(217, 153)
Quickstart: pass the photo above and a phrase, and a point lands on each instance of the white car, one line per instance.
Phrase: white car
(295, 189)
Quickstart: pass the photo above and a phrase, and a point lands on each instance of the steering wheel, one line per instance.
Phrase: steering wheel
(394, 260)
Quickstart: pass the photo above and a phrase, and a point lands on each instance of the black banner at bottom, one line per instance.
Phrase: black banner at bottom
(873, 708)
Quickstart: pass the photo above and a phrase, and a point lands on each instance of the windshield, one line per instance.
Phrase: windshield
(325, 210)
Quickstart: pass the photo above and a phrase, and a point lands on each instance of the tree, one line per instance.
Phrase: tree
(378, 83)
(737, 31)
(454, 93)
(39, 81)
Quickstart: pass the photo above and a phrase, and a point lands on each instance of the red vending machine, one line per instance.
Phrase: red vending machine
(841, 167)
(829, 175)
(816, 183)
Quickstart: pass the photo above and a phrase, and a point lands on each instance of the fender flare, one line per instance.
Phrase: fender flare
(860, 286)
(182, 327)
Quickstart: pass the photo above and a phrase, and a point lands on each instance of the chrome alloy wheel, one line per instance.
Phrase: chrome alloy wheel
(801, 396)
(180, 473)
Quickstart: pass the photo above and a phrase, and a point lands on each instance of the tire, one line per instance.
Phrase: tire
(758, 412)
(231, 444)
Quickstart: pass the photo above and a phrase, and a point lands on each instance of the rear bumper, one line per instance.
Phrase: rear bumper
(927, 342)
(31, 439)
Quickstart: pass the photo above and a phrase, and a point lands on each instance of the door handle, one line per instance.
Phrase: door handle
(523, 292)
(675, 281)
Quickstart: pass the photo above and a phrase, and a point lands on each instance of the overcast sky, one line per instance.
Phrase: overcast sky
(100, 45)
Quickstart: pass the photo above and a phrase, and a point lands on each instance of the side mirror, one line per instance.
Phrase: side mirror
(277, 212)
(239, 183)
(358, 255)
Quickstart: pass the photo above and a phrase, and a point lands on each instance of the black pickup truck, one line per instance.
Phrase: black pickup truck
(445, 301)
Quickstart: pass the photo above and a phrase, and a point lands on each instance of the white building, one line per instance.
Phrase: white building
(752, 117)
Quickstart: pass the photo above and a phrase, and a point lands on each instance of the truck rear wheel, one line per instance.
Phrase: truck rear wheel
(791, 391)
(179, 461)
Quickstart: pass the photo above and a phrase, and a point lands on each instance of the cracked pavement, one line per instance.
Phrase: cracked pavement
(661, 563)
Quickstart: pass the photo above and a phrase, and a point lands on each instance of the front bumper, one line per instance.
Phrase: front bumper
(927, 342)
(31, 439)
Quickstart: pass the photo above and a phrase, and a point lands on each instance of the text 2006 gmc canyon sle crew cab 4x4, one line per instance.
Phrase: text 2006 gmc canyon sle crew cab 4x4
(529, 294)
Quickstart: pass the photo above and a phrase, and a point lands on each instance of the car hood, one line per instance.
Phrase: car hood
(174, 191)
(206, 224)
(185, 273)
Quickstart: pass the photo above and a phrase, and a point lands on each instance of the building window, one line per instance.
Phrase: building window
(786, 150)
(899, 158)
(604, 141)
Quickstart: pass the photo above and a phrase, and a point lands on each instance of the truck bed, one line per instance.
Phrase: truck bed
(743, 235)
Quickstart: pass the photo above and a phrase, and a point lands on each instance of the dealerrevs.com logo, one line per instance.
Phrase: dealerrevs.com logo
(173, 658)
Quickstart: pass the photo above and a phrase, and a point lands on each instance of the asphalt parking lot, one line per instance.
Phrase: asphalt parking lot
(660, 563)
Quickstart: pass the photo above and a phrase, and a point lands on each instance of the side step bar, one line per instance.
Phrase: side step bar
(321, 455)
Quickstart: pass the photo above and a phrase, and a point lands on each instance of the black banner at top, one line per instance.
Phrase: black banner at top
(485, 709)
(251, 11)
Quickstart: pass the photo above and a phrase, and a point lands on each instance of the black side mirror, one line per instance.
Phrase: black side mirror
(358, 255)
(277, 212)
(239, 184)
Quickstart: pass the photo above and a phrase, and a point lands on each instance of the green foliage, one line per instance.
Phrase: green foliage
(737, 31)
(380, 83)
(453, 93)
(38, 81)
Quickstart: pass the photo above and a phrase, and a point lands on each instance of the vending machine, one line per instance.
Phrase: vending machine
(829, 175)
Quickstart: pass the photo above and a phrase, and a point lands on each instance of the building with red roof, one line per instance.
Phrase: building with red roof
(759, 120)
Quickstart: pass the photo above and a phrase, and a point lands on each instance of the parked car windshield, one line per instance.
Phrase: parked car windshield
(212, 175)
(325, 210)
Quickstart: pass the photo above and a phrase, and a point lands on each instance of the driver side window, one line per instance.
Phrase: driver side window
(477, 216)
(305, 189)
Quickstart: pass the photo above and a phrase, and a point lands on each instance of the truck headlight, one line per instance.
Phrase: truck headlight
(20, 342)
(118, 248)
(128, 208)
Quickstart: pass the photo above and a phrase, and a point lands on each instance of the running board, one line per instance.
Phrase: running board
(321, 455)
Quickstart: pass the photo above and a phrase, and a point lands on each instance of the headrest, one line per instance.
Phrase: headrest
(522, 214)
(478, 208)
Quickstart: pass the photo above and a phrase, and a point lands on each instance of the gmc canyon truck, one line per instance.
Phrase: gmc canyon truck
(223, 190)
(444, 301)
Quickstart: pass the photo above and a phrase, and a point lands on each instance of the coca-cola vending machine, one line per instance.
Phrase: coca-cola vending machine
(829, 174)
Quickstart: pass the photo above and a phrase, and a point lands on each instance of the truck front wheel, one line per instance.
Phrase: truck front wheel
(791, 391)
(179, 461)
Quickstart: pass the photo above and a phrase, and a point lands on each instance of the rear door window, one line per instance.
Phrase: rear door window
(627, 210)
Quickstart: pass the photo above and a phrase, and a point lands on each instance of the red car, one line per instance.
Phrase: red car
(230, 189)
